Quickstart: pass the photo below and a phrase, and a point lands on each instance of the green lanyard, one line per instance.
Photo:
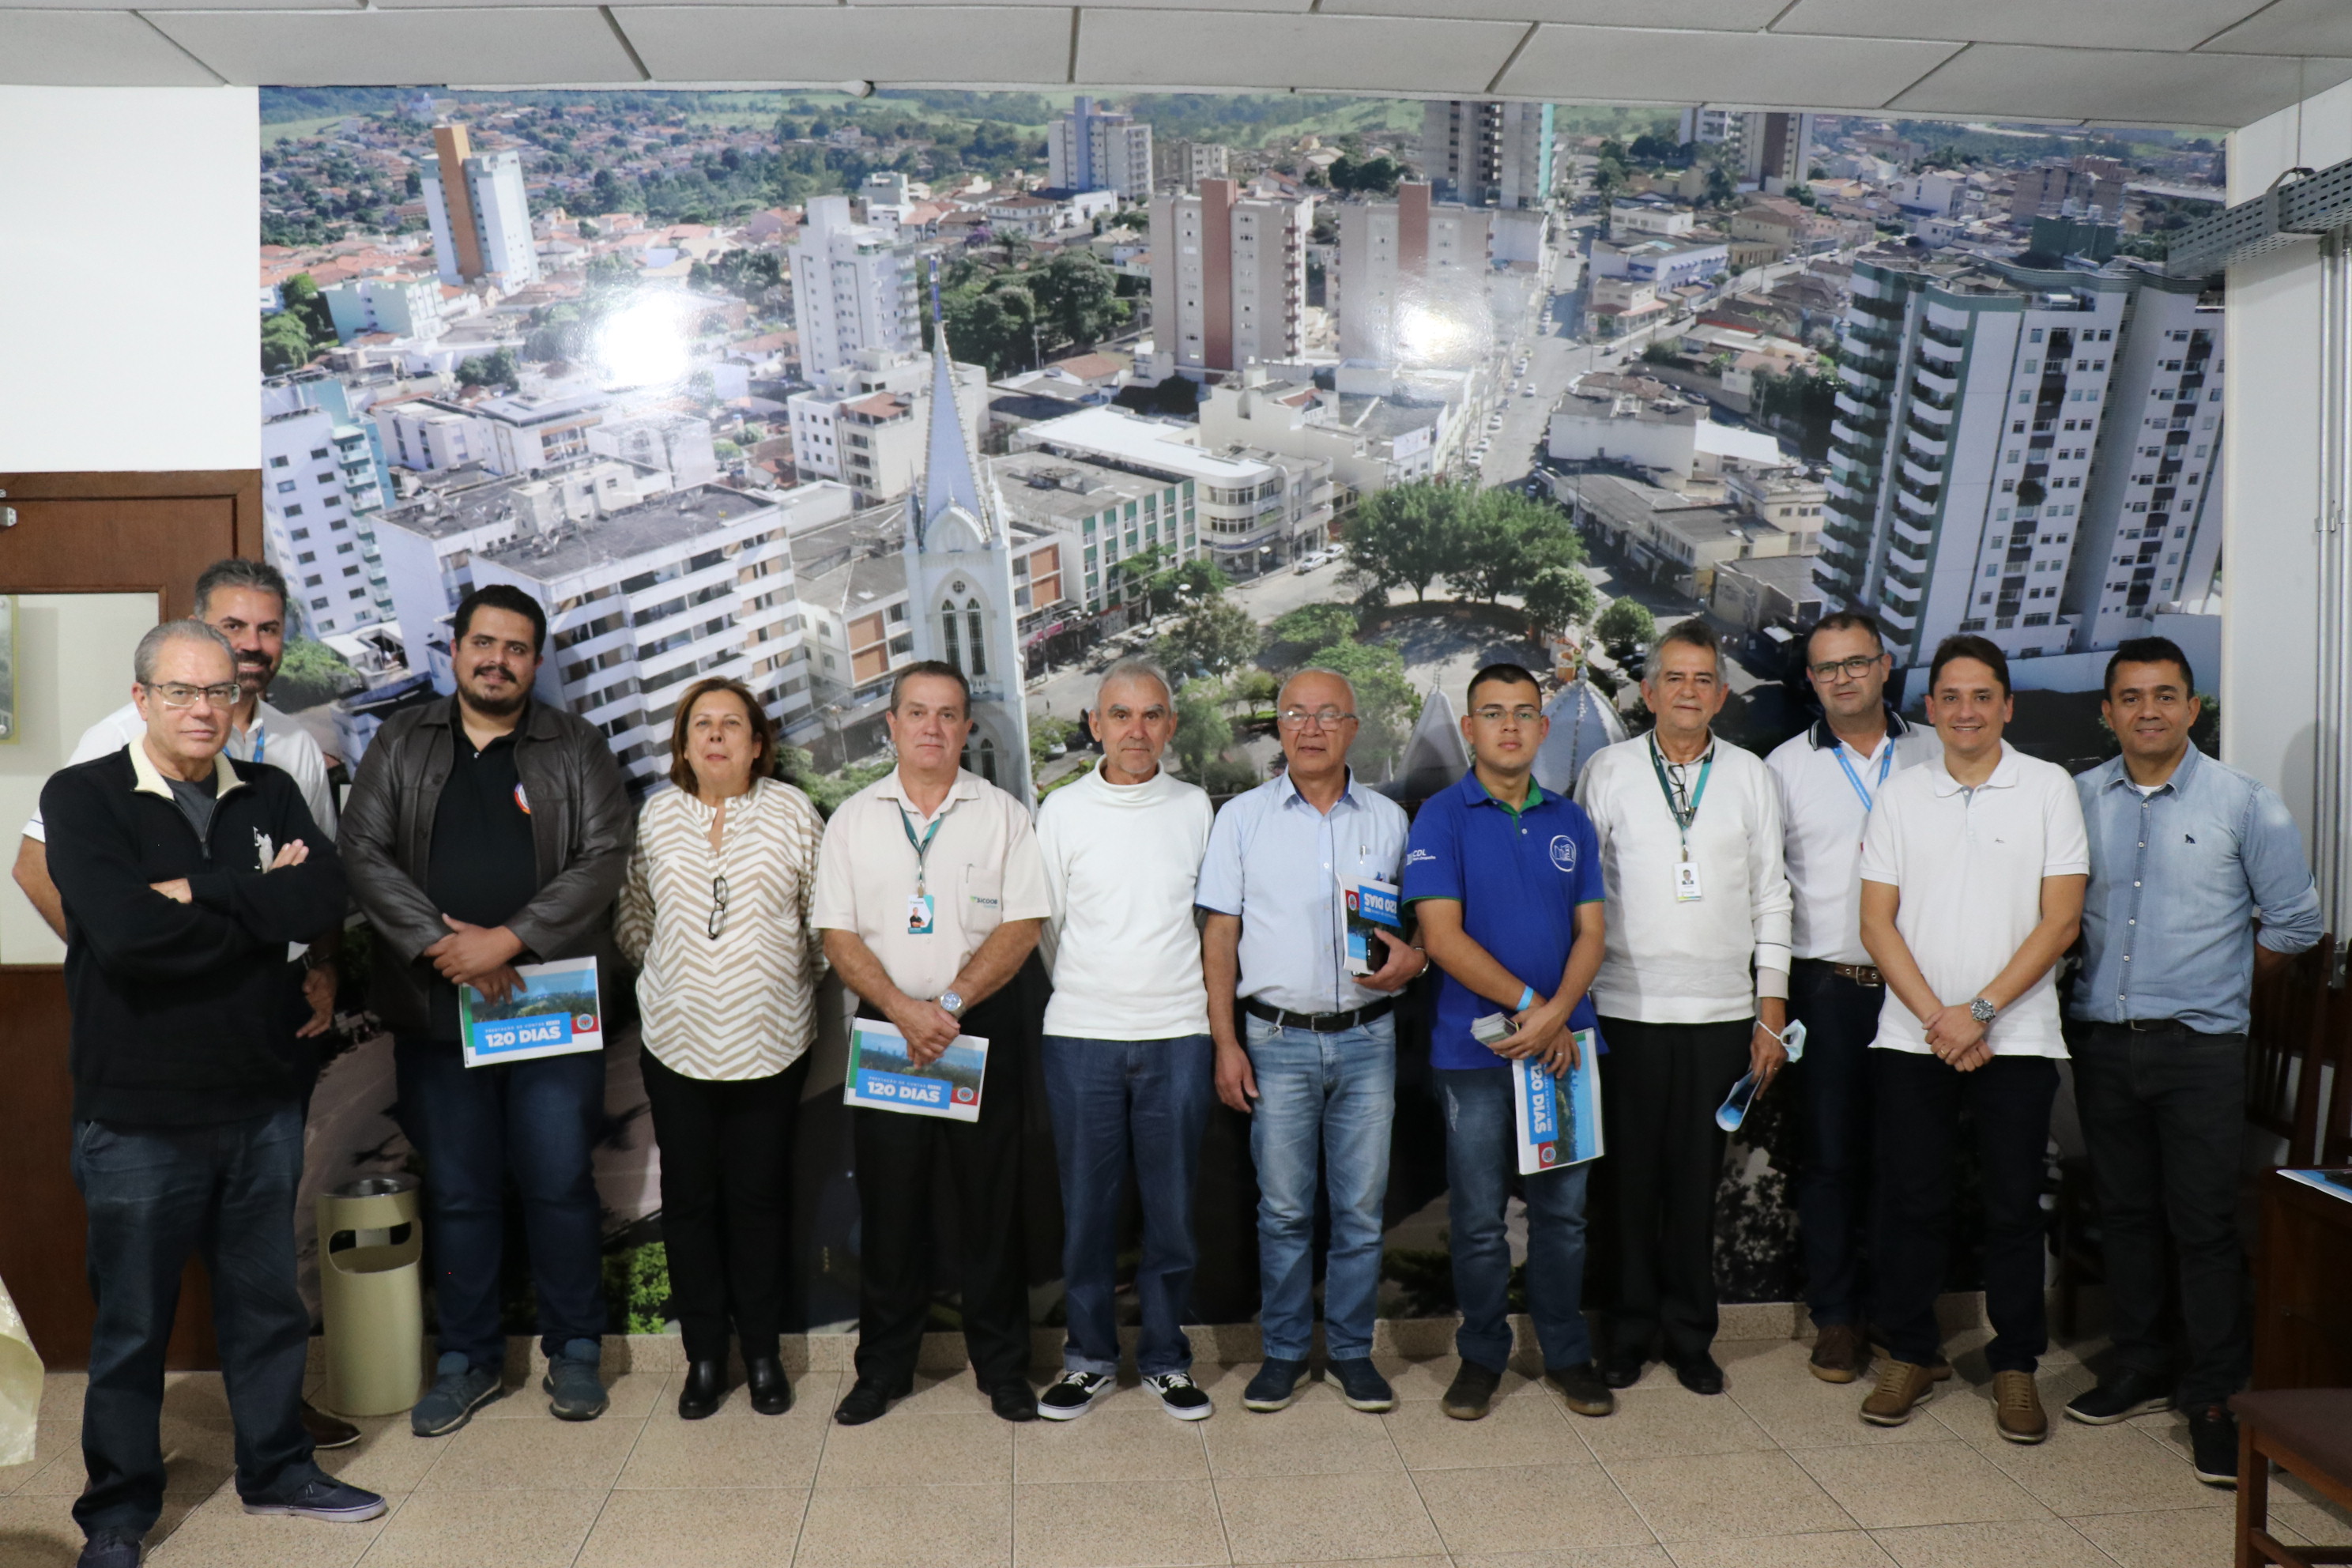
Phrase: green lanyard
(922, 846)
(1683, 814)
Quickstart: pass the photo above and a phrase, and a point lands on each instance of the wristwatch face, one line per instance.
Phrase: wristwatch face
(950, 1001)
(1982, 1010)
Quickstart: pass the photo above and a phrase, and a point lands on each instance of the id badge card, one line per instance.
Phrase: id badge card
(921, 918)
(1687, 888)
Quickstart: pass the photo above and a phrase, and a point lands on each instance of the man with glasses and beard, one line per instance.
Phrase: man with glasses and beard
(487, 832)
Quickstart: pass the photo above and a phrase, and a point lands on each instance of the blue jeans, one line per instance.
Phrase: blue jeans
(154, 1195)
(1334, 1095)
(1481, 1157)
(538, 1120)
(1111, 1099)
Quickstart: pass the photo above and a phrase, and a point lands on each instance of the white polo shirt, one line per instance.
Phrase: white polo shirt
(984, 869)
(275, 739)
(1968, 865)
(1823, 815)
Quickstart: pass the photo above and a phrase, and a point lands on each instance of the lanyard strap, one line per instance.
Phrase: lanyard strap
(922, 846)
(1683, 814)
(1886, 761)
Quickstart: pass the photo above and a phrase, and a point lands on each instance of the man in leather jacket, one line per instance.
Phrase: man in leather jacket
(480, 833)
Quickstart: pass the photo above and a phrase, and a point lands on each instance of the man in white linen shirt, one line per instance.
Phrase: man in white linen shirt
(1972, 878)
(1829, 775)
(1692, 992)
(1128, 1063)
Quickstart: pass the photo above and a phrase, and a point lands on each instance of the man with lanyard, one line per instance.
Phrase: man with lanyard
(1828, 777)
(245, 602)
(931, 893)
(2188, 857)
(1317, 1077)
(1506, 880)
(1692, 993)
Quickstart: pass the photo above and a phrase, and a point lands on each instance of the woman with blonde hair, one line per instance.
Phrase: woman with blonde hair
(715, 915)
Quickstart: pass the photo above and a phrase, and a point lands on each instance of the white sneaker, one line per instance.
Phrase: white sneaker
(1072, 1394)
(1180, 1397)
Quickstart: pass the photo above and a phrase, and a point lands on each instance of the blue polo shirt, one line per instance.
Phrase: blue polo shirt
(1518, 877)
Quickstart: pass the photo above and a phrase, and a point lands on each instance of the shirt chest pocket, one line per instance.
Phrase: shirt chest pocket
(984, 899)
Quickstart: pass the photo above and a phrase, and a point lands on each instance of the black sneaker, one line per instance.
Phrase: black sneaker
(1362, 1384)
(1073, 1393)
(575, 1391)
(1179, 1396)
(109, 1548)
(1472, 1393)
(459, 1388)
(2214, 1445)
(1582, 1387)
(2120, 1398)
(321, 1497)
(1275, 1386)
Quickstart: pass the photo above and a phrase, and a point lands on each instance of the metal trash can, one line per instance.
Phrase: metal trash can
(371, 1292)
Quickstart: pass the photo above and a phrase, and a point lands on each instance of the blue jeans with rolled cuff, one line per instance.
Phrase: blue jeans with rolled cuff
(1482, 1136)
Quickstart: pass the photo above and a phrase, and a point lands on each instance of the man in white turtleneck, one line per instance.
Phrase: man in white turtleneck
(1128, 1062)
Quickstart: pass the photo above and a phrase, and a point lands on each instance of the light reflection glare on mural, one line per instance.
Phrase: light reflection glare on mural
(643, 343)
(1434, 330)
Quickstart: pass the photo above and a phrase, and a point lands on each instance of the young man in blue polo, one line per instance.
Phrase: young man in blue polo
(1505, 882)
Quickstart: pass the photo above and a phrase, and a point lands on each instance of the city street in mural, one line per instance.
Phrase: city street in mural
(1246, 383)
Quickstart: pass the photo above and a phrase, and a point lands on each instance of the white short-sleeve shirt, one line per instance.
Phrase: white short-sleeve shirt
(275, 739)
(1968, 865)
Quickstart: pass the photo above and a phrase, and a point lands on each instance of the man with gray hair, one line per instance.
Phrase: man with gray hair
(1126, 1050)
(181, 876)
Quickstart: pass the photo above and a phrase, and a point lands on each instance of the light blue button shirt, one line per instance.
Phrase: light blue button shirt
(2178, 880)
(1276, 861)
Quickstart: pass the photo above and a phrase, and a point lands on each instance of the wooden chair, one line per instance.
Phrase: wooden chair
(2307, 1432)
(2295, 1018)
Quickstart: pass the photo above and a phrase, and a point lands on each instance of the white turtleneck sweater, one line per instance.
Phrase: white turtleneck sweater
(1121, 861)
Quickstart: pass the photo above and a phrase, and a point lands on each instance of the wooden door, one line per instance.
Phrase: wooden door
(88, 533)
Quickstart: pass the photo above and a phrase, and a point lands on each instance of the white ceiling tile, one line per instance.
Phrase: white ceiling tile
(396, 49)
(993, 44)
(1639, 65)
(1300, 7)
(91, 48)
(2292, 27)
(2104, 85)
(2089, 24)
(1714, 16)
(1341, 54)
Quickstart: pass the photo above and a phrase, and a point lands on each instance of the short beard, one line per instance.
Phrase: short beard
(496, 707)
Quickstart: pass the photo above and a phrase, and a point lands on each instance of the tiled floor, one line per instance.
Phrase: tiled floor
(1780, 1474)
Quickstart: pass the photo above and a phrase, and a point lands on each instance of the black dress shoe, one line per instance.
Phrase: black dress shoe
(866, 1401)
(1623, 1369)
(704, 1390)
(1699, 1374)
(326, 1431)
(1014, 1400)
(771, 1391)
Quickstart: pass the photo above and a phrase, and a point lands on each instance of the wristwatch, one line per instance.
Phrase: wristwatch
(952, 1003)
(1983, 1011)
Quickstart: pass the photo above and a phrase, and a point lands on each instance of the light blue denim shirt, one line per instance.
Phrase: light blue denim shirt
(2178, 880)
(1276, 861)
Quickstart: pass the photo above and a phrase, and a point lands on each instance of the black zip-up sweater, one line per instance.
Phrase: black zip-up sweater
(185, 1014)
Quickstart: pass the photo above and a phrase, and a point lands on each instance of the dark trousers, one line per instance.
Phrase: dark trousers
(155, 1195)
(1660, 1085)
(726, 1191)
(1918, 1109)
(1832, 1185)
(898, 1155)
(1114, 1100)
(538, 1122)
(2162, 1114)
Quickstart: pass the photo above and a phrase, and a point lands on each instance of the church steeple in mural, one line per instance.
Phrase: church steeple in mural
(960, 579)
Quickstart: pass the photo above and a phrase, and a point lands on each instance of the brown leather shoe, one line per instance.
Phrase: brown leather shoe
(1838, 1353)
(326, 1431)
(1902, 1388)
(2017, 1407)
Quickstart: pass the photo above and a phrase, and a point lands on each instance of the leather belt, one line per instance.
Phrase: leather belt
(2156, 1025)
(1317, 1023)
(1860, 973)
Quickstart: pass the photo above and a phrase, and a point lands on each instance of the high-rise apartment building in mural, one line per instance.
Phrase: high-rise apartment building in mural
(854, 289)
(1228, 278)
(1486, 154)
(479, 213)
(1097, 149)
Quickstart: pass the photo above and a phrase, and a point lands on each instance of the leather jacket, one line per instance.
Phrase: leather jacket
(582, 824)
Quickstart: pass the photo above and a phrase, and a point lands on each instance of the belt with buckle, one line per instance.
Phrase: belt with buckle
(1860, 973)
(1318, 1022)
(2155, 1026)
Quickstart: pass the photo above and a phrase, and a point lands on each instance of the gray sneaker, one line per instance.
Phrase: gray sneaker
(459, 1388)
(575, 1391)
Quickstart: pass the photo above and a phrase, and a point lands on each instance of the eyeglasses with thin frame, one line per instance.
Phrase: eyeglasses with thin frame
(180, 694)
(1495, 713)
(1852, 668)
(718, 905)
(1325, 718)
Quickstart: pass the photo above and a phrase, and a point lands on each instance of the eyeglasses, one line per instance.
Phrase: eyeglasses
(1523, 715)
(718, 905)
(180, 694)
(1852, 668)
(1324, 717)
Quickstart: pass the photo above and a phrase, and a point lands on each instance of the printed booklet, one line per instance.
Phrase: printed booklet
(2335, 1183)
(556, 1012)
(882, 1077)
(1559, 1119)
(1372, 906)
